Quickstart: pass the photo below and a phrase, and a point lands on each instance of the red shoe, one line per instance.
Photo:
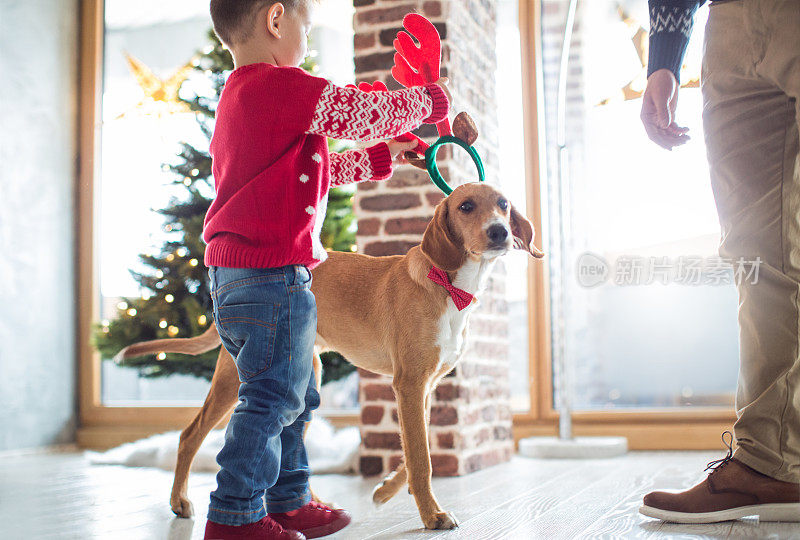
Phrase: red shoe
(313, 520)
(266, 529)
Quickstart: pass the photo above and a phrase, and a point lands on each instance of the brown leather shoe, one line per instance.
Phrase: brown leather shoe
(731, 491)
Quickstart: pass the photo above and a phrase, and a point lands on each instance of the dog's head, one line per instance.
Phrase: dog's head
(476, 221)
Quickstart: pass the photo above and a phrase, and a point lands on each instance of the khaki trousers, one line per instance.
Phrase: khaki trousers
(751, 84)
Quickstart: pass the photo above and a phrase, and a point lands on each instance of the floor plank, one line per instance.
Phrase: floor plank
(62, 496)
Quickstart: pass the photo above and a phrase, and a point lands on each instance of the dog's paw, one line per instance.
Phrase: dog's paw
(382, 493)
(182, 507)
(441, 520)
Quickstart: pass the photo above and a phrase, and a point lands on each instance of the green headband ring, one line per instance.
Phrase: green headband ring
(433, 169)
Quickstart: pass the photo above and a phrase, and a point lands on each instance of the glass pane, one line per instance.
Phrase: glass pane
(512, 181)
(144, 46)
(649, 311)
(149, 50)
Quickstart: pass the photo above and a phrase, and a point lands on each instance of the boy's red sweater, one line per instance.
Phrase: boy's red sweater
(271, 165)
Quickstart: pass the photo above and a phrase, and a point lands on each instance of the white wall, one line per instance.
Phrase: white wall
(38, 63)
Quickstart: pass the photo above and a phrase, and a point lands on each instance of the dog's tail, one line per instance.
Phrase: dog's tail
(197, 345)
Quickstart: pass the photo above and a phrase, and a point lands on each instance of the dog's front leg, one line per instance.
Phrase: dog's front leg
(397, 478)
(411, 405)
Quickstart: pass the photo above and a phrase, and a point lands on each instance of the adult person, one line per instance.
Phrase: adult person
(750, 85)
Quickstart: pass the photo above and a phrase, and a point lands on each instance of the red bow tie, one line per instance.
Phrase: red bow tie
(460, 297)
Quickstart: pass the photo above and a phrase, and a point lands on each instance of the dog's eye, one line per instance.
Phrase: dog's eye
(503, 204)
(466, 206)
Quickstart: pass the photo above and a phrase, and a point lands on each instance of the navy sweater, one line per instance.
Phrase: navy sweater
(670, 28)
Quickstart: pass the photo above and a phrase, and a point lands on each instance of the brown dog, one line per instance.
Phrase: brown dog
(386, 316)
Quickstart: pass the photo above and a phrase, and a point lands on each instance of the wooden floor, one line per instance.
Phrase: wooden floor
(62, 496)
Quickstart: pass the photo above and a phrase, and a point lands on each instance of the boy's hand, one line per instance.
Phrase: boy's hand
(442, 82)
(397, 148)
(658, 110)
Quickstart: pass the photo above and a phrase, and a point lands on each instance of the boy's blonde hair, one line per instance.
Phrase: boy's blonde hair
(233, 20)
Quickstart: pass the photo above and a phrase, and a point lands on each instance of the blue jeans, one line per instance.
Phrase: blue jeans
(267, 319)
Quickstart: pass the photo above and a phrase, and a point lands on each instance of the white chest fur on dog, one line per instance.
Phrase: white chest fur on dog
(473, 276)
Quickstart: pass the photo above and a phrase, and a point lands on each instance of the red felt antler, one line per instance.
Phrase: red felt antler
(418, 65)
(379, 86)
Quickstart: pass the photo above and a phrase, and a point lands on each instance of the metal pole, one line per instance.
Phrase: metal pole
(565, 378)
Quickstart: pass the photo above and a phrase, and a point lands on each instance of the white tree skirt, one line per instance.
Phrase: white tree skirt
(329, 450)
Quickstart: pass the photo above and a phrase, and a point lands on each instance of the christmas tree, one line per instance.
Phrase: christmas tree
(176, 299)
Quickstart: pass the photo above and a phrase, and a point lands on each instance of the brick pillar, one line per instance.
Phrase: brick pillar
(471, 417)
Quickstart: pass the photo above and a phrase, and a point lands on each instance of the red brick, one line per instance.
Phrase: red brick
(408, 176)
(428, 131)
(502, 433)
(388, 35)
(481, 437)
(366, 186)
(364, 40)
(371, 414)
(364, 374)
(444, 464)
(368, 226)
(471, 418)
(384, 15)
(374, 62)
(370, 465)
(394, 461)
(378, 391)
(489, 413)
(448, 392)
(359, 3)
(391, 247)
(444, 415)
(392, 84)
(412, 225)
(434, 197)
(432, 9)
(390, 201)
(445, 440)
(382, 441)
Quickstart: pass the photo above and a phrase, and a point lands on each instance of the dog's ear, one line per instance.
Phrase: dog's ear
(522, 229)
(464, 128)
(439, 244)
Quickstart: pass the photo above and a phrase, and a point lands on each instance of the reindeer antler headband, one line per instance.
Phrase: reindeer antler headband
(418, 65)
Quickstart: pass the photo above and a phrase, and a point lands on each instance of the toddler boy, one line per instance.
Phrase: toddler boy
(272, 173)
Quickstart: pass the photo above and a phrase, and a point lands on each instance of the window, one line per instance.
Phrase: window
(652, 345)
(135, 65)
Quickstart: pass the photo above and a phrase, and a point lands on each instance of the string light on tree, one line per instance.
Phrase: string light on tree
(169, 298)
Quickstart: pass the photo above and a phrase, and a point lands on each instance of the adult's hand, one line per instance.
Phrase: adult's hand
(658, 110)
